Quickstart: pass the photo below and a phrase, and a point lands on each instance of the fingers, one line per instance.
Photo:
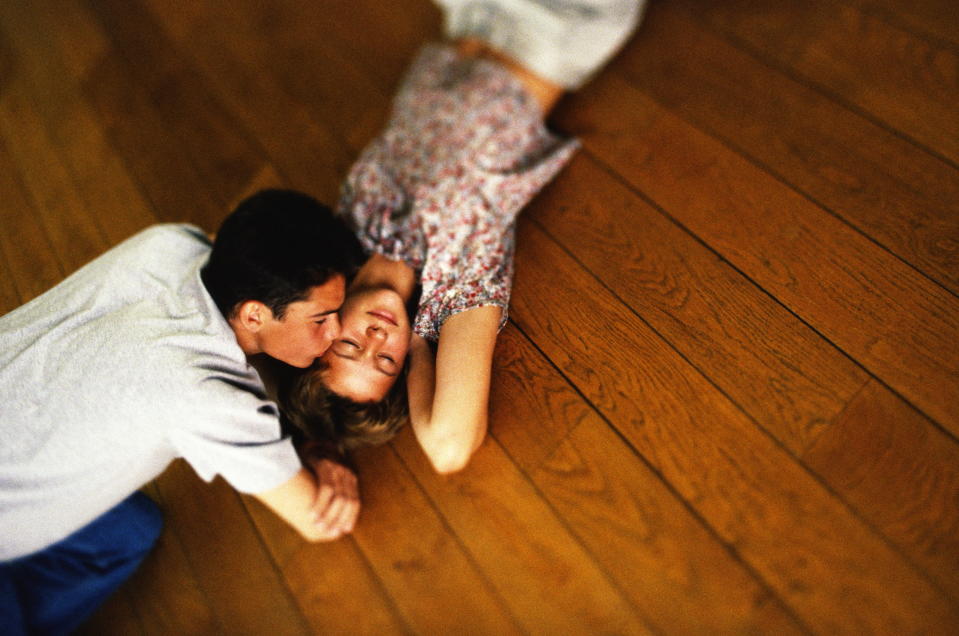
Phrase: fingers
(348, 489)
(324, 497)
(346, 519)
(337, 504)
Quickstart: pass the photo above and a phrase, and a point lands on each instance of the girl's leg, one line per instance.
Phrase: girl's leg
(563, 42)
(543, 90)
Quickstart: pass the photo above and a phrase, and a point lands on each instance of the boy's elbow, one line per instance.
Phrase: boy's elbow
(313, 534)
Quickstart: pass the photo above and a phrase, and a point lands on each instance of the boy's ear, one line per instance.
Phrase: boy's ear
(252, 315)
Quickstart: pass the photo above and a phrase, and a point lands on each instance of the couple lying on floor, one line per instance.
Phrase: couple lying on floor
(433, 200)
(389, 310)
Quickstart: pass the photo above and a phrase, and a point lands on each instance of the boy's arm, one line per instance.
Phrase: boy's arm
(321, 502)
(449, 400)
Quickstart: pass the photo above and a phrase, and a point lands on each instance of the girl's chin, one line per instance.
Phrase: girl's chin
(368, 294)
(380, 299)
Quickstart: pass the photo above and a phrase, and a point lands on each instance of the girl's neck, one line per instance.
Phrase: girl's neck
(379, 271)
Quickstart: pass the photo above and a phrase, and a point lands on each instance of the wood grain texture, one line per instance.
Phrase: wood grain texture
(937, 18)
(196, 125)
(8, 62)
(314, 70)
(231, 564)
(165, 593)
(776, 368)
(306, 150)
(885, 315)
(421, 577)
(680, 440)
(331, 583)
(116, 616)
(908, 82)
(433, 581)
(70, 28)
(680, 577)
(532, 408)
(74, 234)
(9, 298)
(382, 36)
(171, 184)
(98, 173)
(541, 572)
(902, 474)
(806, 544)
(31, 266)
(889, 189)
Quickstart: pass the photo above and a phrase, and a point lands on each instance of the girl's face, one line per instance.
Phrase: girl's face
(364, 361)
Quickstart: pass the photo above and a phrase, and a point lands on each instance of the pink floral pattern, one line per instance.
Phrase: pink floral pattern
(464, 151)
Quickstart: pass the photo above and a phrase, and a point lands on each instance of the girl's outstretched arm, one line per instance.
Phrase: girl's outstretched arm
(449, 398)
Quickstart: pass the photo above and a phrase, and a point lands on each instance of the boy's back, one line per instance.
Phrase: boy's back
(112, 374)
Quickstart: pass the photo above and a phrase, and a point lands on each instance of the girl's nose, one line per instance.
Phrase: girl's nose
(375, 331)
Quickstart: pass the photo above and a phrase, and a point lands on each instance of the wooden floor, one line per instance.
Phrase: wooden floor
(728, 397)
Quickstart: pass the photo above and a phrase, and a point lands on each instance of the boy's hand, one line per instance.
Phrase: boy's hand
(337, 503)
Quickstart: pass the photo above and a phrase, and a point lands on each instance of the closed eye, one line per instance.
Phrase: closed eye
(345, 349)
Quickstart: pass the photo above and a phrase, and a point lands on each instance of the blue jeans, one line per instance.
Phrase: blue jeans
(53, 591)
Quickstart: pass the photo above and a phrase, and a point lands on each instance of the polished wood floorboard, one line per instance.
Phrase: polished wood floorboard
(727, 400)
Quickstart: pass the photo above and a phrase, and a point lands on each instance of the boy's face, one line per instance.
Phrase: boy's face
(307, 327)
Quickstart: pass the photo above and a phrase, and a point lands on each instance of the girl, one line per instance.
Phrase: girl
(433, 200)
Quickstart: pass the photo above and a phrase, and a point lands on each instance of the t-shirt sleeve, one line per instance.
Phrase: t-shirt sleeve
(240, 440)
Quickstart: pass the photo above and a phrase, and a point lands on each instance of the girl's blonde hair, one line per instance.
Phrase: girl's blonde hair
(321, 414)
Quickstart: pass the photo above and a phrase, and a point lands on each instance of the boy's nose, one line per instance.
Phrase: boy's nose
(333, 327)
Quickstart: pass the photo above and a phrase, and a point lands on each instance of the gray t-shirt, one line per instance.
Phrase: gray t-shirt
(109, 376)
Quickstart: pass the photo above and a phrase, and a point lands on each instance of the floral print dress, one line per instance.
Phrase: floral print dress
(465, 149)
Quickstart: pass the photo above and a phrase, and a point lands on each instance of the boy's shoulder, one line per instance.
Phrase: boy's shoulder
(167, 241)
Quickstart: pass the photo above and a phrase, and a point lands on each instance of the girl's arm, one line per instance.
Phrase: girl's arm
(449, 399)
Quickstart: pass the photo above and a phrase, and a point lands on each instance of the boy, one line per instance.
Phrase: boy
(140, 357)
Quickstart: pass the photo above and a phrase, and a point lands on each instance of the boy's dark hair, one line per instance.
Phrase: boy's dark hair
(320, 414)
(274, 247)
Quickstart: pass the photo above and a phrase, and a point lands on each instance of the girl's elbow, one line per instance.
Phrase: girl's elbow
(450, 451)
(449, 457)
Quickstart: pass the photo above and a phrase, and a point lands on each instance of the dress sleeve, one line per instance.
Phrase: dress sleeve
(377, 208)
(464, 151)
(469, 259)
(469, 223)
